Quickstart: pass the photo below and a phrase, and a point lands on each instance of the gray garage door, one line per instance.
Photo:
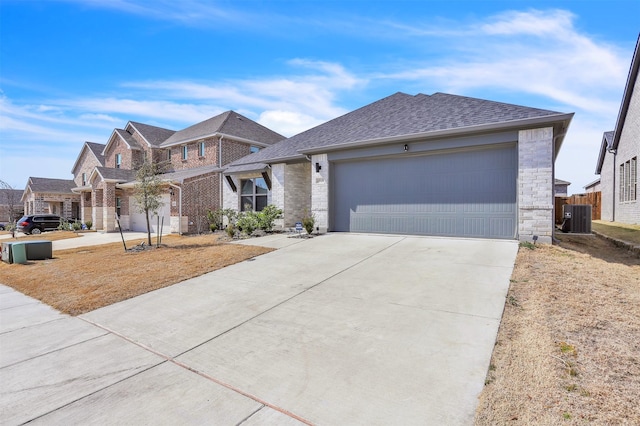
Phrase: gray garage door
(469, 193)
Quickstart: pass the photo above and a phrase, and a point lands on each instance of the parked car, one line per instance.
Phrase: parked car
(37, 223)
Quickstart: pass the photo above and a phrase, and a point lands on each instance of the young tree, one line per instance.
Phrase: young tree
(148, 191)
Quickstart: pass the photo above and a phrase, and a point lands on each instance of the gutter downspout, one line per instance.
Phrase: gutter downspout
(179, 206)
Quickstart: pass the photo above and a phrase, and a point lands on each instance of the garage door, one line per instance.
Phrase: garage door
(139, 222)
(470, 193)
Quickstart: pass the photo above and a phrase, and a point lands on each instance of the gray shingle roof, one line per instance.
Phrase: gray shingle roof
(58, 186)
(128, 138)
(154, 135)
(121, 175)
(96, 149)
(396, 116)
(228, 123)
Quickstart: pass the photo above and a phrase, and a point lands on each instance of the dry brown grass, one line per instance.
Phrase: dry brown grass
(47, 236)
(83, 279)
(568, 349)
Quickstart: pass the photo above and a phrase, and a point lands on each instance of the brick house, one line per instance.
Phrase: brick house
(619, 152)
(53, 196)
(426, 164)
(192, 159)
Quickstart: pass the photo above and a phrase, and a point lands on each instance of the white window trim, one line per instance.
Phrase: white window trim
(201, 148)
(185, 152)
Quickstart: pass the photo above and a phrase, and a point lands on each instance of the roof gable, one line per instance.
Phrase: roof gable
(95, 149)
(627, 94)
(402, 116)
(605, 146)
(228, 123)
(153, 135)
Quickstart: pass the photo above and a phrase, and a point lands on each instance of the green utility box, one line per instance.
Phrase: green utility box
(19, 251)
(39, 250)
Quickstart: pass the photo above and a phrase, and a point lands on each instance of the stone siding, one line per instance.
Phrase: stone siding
(628, 148)
(535, 184)
(320, 191)
(297, 193)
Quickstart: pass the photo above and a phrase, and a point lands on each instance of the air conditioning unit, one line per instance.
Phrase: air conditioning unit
(576, 218)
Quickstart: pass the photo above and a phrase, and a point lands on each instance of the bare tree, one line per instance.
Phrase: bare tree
(11, 198)
(148, 191)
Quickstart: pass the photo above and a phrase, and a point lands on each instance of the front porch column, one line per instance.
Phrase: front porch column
(96, 202)
(109, 207)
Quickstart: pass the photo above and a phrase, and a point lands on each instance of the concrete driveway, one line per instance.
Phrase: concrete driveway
(338, 329)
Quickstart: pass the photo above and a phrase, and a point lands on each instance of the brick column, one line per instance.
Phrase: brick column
(535, 184)
(109, 207)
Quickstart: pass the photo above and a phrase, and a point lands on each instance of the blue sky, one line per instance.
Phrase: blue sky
(73, 70)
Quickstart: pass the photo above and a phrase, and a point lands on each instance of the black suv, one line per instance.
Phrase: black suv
(37, 223)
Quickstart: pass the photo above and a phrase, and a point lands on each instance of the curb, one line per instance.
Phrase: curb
(620, 243)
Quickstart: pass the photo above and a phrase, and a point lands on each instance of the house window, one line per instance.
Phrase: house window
(118, 206)
(201, 149)
(254, 148)
(118, 160)
(84, 179)
(169, 154)
(184, 152)
(253, 194)
(629, 180)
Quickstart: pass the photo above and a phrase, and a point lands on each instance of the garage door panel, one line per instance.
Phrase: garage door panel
(468, 193)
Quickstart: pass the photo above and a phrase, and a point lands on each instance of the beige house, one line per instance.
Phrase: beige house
(53, 196)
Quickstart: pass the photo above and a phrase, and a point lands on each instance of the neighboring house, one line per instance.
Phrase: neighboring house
(561, 187)
(427, 165)
(192, 159)
(89, 158)
(53, 196)
(594, 186)
(619, 152)
(10, 205)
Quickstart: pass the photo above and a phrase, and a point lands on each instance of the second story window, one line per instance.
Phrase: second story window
(118, 160)
(169, 154)
(84, 179)
(184, 152)
(201, 149)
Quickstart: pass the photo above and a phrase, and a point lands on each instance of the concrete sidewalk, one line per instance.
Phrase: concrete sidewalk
(337, 329)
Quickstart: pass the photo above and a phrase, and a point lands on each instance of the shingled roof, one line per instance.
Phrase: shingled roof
(400, 116)
(51, 186)
(230, 124)
(93, 147)
(152, 134)
(118, 175)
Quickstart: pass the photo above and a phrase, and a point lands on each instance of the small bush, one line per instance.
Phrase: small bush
(89, 224)
(267, 217)
(76, 226)
(214, 217)
(230, 230)
(248, 222)
(309, 221)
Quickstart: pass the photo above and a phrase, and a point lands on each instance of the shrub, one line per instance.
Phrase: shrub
(268, 216)
(248, 221)
(76, 226)
(89, 224)
(230, 230)
(308, 221)
(214, 217)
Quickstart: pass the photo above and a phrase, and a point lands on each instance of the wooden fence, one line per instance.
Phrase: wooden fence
(593, 198)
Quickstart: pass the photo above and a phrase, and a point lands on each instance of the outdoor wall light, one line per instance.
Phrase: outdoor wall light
(171, 192)
(406, 147)
(318, 167)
